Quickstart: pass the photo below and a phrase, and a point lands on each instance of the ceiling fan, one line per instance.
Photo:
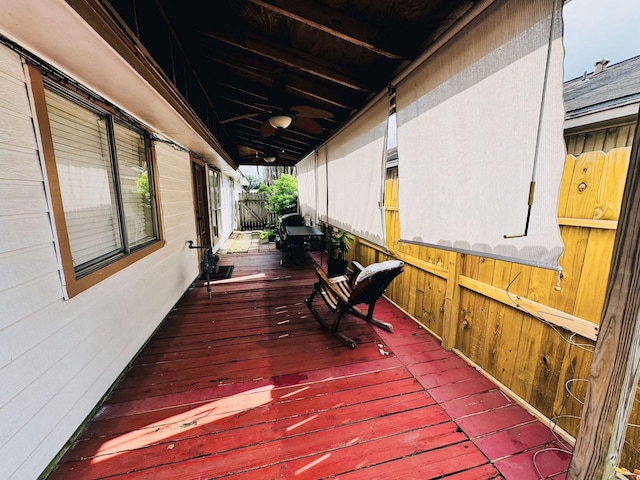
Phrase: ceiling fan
(278, 118)
(270, 155)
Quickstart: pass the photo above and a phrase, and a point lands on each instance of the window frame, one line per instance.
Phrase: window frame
(73, 282)
(214, 178)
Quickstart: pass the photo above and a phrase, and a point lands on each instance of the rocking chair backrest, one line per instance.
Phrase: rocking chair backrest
(370, 289)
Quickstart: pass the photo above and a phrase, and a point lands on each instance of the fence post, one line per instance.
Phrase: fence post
(452, 301)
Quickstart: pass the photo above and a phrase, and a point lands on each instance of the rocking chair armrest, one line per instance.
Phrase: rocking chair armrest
(325, 280)
(357, 265)
(356, 268)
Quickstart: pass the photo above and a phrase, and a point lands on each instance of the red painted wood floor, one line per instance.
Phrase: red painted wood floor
(248, 386)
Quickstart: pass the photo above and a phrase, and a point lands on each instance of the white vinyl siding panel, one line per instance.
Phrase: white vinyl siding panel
(16, 130)
(57, 357)
(29, 278)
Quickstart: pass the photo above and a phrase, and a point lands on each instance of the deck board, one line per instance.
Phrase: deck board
(247, 385)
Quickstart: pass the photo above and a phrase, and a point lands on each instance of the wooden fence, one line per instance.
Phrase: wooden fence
(252, 213)
(527, 328)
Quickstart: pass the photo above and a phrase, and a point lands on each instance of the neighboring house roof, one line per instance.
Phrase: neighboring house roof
(617, 87)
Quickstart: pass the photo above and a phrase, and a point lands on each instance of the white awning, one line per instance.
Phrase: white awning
(478, 123)
(355, 166)
(306, 175)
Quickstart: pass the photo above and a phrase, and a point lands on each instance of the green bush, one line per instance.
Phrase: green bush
(283, 197)
(338, 243)
(264, 188)
(142, 189)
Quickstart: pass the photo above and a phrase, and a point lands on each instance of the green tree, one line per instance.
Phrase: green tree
(283, 197)
(142, 189)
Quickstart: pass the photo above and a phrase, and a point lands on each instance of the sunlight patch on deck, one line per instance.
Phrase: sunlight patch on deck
(164, 429)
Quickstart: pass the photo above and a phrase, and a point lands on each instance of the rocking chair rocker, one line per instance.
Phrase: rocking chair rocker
(343, 293)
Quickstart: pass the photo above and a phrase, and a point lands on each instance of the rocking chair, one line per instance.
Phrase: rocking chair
(343, 293)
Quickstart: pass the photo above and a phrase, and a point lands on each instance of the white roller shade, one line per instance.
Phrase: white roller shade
(321, 184)
(306, 175)
(355, 163)
(470, 131)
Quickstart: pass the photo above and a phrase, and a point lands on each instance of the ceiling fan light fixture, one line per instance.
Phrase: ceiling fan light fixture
(280, 121)
(270, 159)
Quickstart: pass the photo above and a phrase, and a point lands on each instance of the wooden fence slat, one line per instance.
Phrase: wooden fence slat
(582, 201)
(252, 213)
(452, 302)
(612, 185)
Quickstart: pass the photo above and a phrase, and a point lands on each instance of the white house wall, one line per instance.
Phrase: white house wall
(58, 357)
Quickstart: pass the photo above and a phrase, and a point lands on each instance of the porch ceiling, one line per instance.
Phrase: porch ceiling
(239, 61)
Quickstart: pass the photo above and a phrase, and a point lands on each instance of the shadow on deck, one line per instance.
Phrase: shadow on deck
(248, 386)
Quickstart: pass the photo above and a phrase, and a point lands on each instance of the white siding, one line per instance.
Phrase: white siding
(57, 357)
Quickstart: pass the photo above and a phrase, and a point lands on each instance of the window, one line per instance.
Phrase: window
(216, 204)
(101, 165)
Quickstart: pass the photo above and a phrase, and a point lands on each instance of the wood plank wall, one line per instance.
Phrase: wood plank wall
(542, 349)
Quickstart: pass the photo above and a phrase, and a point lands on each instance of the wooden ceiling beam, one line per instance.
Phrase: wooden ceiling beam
(448, 22)
(296, 85)
(289, 57)
(295, 139)
(332, 22)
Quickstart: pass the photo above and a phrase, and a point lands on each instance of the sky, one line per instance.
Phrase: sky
(597, 29)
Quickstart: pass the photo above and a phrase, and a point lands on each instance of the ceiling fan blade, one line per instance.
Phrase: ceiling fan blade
(311, 112)
(266, 129)
(307, 125)
(268, 108)
(241, 117)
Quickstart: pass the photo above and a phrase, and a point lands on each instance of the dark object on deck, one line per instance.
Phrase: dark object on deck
(297, 241)
(337, 266)
(342, 294)
(294, 219)
(208, 264)
(296, 238)
(224, 272)
(287, 219)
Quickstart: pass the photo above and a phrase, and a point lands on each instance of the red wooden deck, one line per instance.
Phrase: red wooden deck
(248, 386)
